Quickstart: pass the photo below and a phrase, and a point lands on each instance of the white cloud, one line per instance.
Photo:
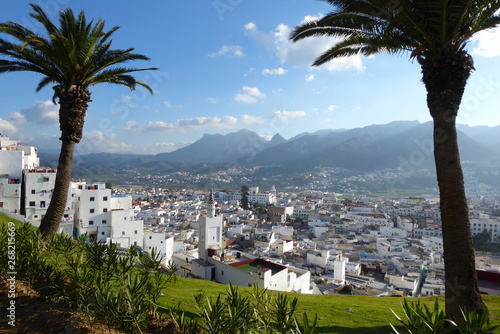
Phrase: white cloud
(169, 105)
(234, 50)
(7, 128)
(191, 124)
(45, 142)
(17, 118)
(304, 52)
(42, 112)
(275, 71)
(212, 100)
(265, 39)
(331, 108)
(244, 98)
(98, 141)
(310, 77)
(287, 115)
(250, 95)
(488, 43)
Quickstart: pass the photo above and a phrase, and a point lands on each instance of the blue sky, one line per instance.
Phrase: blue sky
(227, 65)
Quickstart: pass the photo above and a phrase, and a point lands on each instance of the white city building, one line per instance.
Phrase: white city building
(126, 229)
(93, 211)
(14, 158)
(38, 188)
(162, 242)
(485, 222)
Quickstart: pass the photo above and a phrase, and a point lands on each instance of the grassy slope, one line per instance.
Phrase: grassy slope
(336, 313)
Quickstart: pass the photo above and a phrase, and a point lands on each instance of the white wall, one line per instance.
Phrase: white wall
(163, 243)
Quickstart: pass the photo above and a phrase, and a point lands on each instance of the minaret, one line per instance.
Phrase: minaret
(211, 206)
(210, 230)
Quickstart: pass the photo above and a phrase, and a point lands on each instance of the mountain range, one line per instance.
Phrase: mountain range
(404, 144)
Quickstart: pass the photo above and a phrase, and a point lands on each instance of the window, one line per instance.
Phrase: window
(42, 204)
(92, 210)
(105, 198)
(135, 232)
(102, 233)
(105, 210)
(45, 179)
(32, 203)
(222, 273)
(33, 191)
(92, 199)
(123, 232)
(104, 221)
(91, 222)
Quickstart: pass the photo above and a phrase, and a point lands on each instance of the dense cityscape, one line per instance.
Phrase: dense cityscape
(315, 242)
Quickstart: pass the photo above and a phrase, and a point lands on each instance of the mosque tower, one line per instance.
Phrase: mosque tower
(210, 231)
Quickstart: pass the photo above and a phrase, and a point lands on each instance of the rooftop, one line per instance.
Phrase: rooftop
(256, 265)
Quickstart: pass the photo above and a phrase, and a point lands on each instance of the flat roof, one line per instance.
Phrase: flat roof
(255, 265)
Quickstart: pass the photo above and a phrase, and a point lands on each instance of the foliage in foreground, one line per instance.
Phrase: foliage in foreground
(258, 312)
(419, 318)
(120, 287)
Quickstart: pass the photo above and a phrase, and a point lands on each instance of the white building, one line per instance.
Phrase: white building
(484, 222)
(93, 211)
(14, 158)
(264, 274)
(38, 188)
(126, 229)
(210, 232)
(162, 242)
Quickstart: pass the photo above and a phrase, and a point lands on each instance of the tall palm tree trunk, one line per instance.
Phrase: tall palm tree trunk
(445, 80)
(55, 211)
(73, 102)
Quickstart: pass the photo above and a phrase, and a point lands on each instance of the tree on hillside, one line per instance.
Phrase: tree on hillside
(435, 32)
(245, 202)
(71, 57)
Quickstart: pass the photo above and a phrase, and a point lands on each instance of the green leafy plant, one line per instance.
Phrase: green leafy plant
(283, 313)
(262, 308)
(306, 328)
(474, 323)
(183, 323)
(421, 319)
(212, 313)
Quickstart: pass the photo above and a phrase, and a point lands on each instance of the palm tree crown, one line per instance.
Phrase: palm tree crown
(426, 28)
(77, 53)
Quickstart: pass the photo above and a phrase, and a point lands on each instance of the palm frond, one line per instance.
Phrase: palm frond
(424, 26)
(77, 52)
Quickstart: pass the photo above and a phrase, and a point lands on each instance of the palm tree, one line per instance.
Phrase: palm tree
(435, 32)
(73, 57)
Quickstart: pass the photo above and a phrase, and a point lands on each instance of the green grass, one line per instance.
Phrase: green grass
(5, 219)
(336, 313)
